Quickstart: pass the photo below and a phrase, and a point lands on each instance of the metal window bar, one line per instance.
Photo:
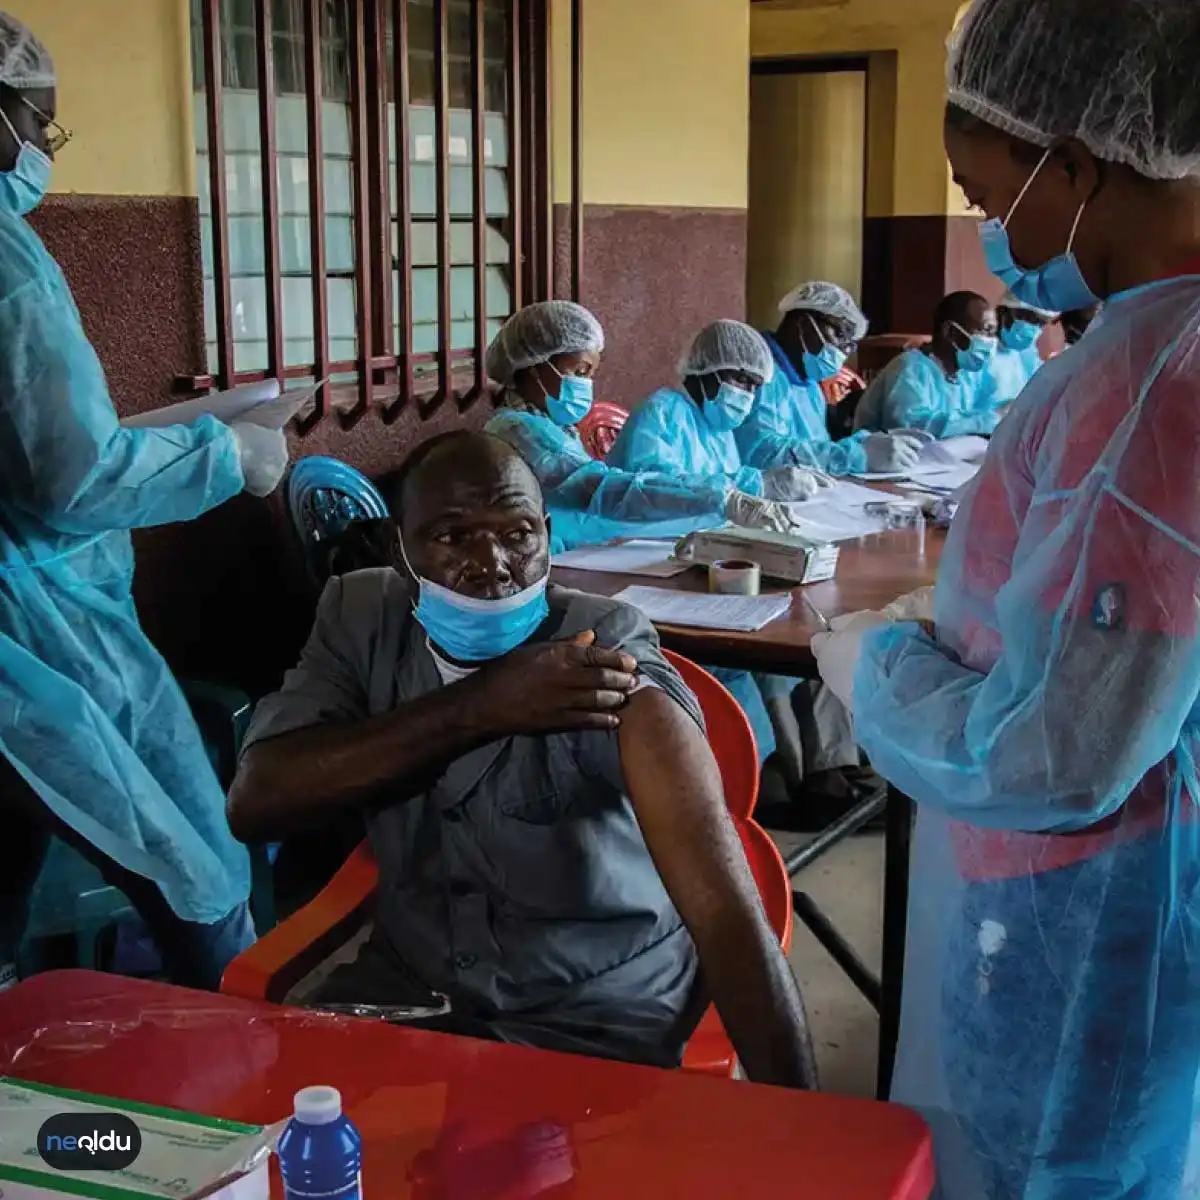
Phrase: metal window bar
(265, 51)
(378, 169)
(401, 96)
(479, 207)
(516, 157)
(219, 206)
(363, 275)
(441, 37)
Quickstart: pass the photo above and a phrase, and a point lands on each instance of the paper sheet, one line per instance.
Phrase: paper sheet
(943, 477)
(838, 513)
(253, 403)
(700, 610)
(639, 556)
(968, 449)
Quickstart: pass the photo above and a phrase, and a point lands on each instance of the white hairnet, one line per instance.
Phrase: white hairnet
(540, 332)
(1119, 75)
(1008, 300)
(828, 298)
(728, 346)
(24, 61)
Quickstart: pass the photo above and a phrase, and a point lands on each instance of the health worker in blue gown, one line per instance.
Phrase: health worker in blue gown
(97, 742)
(1018, 358)
(1047, 724)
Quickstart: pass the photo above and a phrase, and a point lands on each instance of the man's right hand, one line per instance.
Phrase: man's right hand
(553, 687)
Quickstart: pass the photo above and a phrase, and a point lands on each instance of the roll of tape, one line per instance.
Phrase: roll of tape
(735, 577)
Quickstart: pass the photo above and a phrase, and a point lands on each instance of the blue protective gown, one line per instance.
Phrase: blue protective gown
(90, 715)
(787, 426)
(1011, 370)
(914, 392)
(1051, 1017)
(668, 433)
(589, 501)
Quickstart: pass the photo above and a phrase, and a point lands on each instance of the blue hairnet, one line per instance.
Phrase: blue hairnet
(668, 432)
(728, 346)
(833, 301)
(914, 392)
(1060, 695)
(540, 332)
(90, 715)
(589, 501)
(1118, 75)
(24, 62)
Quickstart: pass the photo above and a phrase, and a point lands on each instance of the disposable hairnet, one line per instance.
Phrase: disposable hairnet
(1008, 300)
(828, 298)
(728, 346)
(24, 61)
(540, 332)
(1118, 75)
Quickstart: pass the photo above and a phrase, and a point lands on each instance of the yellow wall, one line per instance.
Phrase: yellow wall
(124, 87)
(666, 102)
(806, 185)
(915, 31)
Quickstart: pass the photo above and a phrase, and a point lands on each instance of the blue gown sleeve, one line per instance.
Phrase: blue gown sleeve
(1098, 673)
(919, 398)
(775, 434)
(64, 458)
(658, 438)
(574, 481)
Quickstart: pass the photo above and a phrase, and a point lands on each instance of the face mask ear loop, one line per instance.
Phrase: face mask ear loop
(1075, 227)
(1028, 184)
(16, 137)
(408, 565)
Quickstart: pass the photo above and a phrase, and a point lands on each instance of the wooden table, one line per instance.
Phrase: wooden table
(871, 572)
(449, 1118)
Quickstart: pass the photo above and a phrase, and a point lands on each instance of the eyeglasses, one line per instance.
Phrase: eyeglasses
(56, 135)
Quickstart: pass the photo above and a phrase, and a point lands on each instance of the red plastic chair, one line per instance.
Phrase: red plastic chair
(599, 429)
(278, 961)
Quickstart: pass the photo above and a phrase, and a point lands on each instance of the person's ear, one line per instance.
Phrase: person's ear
(1084, 172)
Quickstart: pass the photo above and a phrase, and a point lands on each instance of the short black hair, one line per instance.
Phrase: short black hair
(953, 308)
(395, 486)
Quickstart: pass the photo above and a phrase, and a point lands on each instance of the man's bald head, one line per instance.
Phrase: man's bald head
(471, 515)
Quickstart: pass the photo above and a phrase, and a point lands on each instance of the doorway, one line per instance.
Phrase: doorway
(808, 145)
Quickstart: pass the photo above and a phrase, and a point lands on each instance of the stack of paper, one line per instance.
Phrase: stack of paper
(253, 403)
(639, 556)
(838, 513)
(742, 614)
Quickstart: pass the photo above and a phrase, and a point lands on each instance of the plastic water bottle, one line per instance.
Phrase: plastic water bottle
(320, 1152)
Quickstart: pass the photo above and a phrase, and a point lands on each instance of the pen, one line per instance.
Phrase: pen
(816, 611)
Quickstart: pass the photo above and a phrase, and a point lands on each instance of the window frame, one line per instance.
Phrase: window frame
(388, 376)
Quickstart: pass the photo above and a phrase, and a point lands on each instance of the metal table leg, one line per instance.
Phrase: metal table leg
(897, 847)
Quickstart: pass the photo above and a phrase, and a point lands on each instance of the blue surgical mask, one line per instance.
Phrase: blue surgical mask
(474, 630)
(1059, 286)
(574, 399)
(728, 408)
(978, 352)
(819, 367)
(24, 187)
(1020, 335)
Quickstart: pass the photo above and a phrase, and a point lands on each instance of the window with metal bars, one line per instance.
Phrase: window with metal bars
(374, 190)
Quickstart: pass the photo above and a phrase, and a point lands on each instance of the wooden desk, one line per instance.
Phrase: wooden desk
(449, 1118)
(871, 572)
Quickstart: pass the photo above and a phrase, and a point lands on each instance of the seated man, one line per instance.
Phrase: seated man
(819, 327)
(1018, 358)
(945, 388)
(554, 850)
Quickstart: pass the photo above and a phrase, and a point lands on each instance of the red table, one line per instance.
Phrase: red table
(448, 1118)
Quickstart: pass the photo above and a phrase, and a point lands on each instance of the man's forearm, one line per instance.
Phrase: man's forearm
(289, 782)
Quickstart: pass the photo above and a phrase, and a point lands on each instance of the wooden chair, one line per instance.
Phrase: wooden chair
(277, 962)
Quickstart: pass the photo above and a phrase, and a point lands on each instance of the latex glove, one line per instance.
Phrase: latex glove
(920, 435)
(755, 513)
(264, 457)
(915, 606)
(794, 483)
(887, 452)
(837, 652)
